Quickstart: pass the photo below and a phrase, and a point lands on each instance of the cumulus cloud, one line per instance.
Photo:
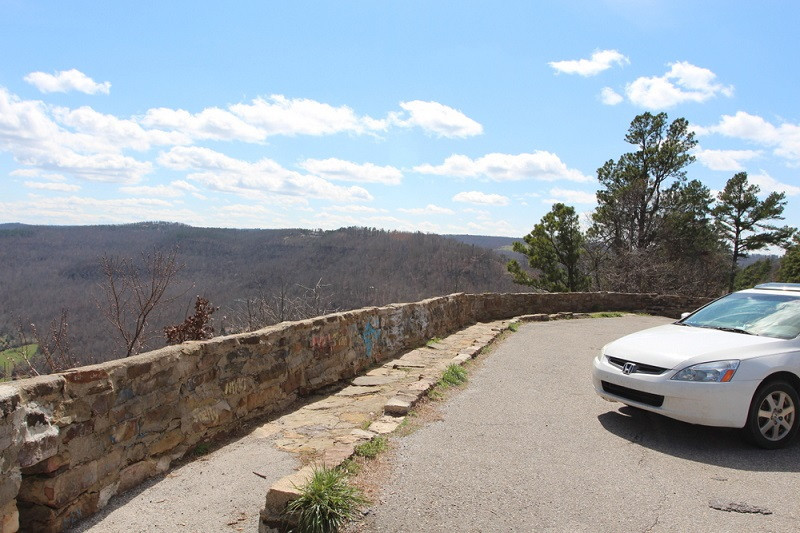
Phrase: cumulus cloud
(480, 198)
(570, 197)
(539, 165)
(438, 119)
(610, 97)
(278, 115)
(33, 136)
(768, 184)
(429, 209)
(175, 189)
(726, 160)
(683, 82)
(340, 170)
(112, 133)
(66, 80)
(783, 138)
(220, 172)
(600, 61)
(211, 123)
(52, 186)
(84, 210)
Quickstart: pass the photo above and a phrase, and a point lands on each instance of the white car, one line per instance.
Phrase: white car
(732, 363)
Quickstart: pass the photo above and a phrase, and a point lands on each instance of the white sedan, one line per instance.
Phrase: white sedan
(732, 363)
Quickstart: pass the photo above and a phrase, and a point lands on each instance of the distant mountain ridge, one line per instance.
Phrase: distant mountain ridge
(47, 268)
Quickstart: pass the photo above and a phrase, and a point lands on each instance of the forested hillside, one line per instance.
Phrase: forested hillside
(255, 277)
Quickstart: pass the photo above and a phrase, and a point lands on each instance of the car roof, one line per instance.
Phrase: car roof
(794, 287)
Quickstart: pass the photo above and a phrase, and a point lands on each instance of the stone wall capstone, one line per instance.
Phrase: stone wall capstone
(71, 441)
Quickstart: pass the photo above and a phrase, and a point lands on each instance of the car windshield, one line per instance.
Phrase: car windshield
(768, 315)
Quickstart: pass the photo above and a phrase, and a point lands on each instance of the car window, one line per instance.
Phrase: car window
(768, 315)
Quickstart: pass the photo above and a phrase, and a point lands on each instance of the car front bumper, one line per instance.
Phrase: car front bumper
(709, 404)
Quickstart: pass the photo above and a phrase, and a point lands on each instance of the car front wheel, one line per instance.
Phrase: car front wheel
(772, 421)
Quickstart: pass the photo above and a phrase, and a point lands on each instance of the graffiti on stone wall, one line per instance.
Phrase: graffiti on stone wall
(322, 345)
(370, 336)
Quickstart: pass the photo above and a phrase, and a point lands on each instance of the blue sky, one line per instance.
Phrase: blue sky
(435, 116)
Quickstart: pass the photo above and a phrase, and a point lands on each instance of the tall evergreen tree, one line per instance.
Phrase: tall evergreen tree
(744, 220)
(553, 248)
(630, 204)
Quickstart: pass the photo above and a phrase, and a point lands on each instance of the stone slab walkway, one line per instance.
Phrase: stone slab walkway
(225, 490)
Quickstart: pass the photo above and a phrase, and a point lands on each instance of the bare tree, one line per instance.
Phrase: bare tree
(131, 293)
(51, 352)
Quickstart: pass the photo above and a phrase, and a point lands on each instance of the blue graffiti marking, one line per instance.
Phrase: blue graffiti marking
(370, 337)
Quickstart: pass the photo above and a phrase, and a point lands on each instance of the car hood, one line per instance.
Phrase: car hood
(673, 345)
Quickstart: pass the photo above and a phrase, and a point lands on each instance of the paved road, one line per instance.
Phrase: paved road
(528, 446)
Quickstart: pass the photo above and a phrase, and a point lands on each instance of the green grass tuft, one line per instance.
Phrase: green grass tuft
(514, 327)
(607, 314)
(326, 502)
(454, 375)
(435, 340)
(372, 448)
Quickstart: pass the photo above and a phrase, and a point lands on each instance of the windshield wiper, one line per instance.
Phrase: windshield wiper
(732, 330)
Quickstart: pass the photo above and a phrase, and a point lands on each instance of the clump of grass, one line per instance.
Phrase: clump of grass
(435, 340)
(372, 448)
(454, 375)
(202, 448)
(514, 327)
(326, 502)
(607, 314)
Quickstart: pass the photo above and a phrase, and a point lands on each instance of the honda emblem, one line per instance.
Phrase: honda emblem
(629, 368)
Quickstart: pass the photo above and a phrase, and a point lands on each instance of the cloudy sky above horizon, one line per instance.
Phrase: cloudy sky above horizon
(444, 117)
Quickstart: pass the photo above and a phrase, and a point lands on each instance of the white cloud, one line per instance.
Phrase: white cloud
(784, 138)
(35, 139)
(430, 209)
(52, 186)
(176, 189)
(112, 133)
(279, 115)
(726, 160)
(601, 60)
(438, 119)
(66, 80)
(340, 170)
(768, 184)
(220, 172)
(84, 210)
(480, 198)
(684, 82)
(211, 123)
(353, 208)
(539, 165)
(569, 197)
(610, 97)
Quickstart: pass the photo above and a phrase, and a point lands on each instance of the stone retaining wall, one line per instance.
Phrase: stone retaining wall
(73, 440)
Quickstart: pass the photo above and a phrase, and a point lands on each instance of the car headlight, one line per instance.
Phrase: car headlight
(714, 372)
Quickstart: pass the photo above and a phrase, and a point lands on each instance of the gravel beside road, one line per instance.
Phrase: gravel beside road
(529, 446)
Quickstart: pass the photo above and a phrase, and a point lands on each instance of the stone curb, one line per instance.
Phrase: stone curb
(273, 517)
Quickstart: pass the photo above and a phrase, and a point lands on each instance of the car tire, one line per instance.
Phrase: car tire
(772, 421)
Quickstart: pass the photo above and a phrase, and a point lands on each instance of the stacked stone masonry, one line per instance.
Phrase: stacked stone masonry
(71, 441)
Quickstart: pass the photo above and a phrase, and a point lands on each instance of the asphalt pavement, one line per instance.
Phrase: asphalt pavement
(529, 446)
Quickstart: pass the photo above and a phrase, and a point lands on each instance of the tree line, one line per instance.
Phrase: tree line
(79, 295)
(656, 230)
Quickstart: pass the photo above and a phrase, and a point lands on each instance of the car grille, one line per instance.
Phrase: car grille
(640, 368)
(635, 395)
